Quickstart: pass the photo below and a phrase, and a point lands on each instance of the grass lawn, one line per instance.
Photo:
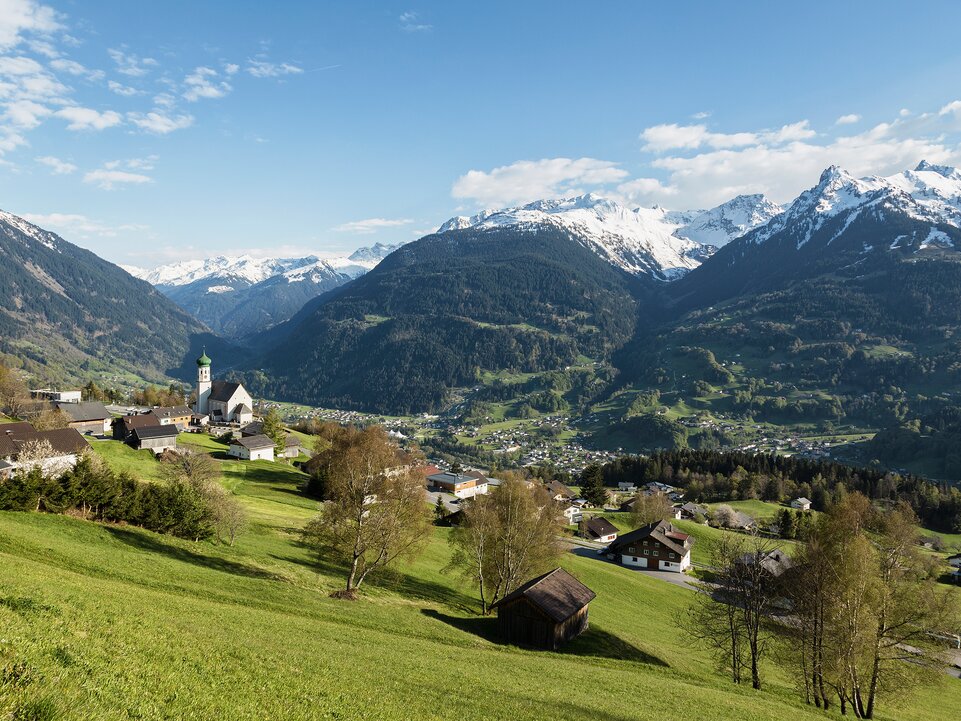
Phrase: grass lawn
(118, 623)
(142, 465)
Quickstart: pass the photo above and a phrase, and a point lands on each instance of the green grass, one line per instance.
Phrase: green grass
(120, 623)
(142, 465)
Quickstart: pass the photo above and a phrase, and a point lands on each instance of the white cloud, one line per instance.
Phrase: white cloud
(20, 17)
(848, 119)
(660, 138)
(75, 225)
(265, 69)
(122, 90)
(72, 67)
(528, 180)
(784, 163)
(370, 225)
(88, 119)
(231, 68)
(130, 64)
(643, 191)
(108, 179)
(57, 166)
(201, 83)
(701, 115)
(159, 122)
(410, 22)
(23, 78)
(25, 114)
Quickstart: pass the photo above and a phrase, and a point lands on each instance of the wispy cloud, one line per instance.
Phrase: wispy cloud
(848, 119)
(672, 136)
(528, 180)
(266, 69)
(203, 82)
(130, 64)
(410, 22)
(119, 173)
(19, 18)
(159, 122)
(72, 67)
(123, 90)
(80, 118)
(370, 225)
(76, 225)
(57, 166)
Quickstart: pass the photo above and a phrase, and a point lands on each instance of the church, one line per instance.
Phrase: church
(221, 401)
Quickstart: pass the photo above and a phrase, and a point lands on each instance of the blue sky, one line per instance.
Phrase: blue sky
(152, 132)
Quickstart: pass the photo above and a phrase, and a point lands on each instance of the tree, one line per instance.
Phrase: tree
(650, 508)
(274, 429)
(196, 468)
(14, 394)
(785, 522)
(592, 485)
(506, 538)
(50, 419)
(376, 511)
(440, 510)
(724, 516)
(39, 454)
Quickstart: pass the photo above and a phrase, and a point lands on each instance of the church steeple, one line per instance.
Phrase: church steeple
(203, 384)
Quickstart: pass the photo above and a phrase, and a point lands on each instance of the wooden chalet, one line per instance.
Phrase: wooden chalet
(545, 612)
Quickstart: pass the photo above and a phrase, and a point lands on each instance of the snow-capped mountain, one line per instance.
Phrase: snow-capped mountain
(242, 295)
(730, 220)
(652, 241)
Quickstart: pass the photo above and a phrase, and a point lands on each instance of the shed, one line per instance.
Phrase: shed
(545, 612)
(156, 438)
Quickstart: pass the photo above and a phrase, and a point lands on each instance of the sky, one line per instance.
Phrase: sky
(152, 132)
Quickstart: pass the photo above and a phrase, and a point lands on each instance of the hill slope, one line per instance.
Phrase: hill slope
(62, 308)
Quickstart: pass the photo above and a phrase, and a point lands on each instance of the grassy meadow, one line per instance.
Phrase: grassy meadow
(112, 622)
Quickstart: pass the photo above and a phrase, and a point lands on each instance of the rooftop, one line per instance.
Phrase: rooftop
(557, 593)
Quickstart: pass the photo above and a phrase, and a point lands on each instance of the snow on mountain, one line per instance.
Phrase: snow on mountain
(730, 220)
(929, 194)
(29, 230)
(638, 241)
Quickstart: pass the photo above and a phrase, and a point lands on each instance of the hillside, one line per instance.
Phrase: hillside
(256, 618)
(441, 310)
(66, 313)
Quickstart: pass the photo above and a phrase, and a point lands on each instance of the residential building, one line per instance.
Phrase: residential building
(48, 394)
(90, 417)
(66, 445)
(690, 511)
(545, 612)
(600, 529)
(174, 415)
(559, 492)
(124, 426)
(459, 484)
(572, 514)
(802, 504)
(252, 448)
(656, 546)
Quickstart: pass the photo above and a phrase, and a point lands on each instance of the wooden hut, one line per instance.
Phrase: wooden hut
(545, 612)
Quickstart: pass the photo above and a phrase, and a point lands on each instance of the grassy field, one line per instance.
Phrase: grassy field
(118, 623)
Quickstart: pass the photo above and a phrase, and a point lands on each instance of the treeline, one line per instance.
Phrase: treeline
(728, 475)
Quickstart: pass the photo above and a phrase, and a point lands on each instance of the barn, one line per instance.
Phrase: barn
(545, 612)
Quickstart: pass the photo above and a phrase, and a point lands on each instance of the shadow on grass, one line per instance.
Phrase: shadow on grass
(155, 544)
(594, 642)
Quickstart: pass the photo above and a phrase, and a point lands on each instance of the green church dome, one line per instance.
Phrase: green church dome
(203, 360)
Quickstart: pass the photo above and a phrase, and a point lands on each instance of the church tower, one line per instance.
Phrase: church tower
(203, 384)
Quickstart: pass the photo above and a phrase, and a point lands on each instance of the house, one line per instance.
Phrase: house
(175, 415)
(545, 612)
(459, 484)
(572, 514)
(559, 492)
(292, 446)
(221, 401)
(626, 487)
(802, 504)
(252, 448)
(690, 511)
(90, 417)
(66, 445)
(600, 529)
(656, 546)
(774, 563)
(256, 428)
(48, 394)
(157, 438)
(125, 425)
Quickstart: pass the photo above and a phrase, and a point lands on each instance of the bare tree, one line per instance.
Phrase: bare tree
(50, 419)
(724, 516)
(376, 510)
(14, 394)
(650, 508)
(506, 538)
(191, 466)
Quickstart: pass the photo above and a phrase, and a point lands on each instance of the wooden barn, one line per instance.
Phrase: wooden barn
(545, 612)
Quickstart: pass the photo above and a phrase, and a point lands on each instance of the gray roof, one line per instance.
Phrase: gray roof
(663, 532)
(171, 412)
(556, 593)
(155, 432)
(802, 499)
(601, 527)
(63, 440)
(223, 391)
(87, 411)
(448, 477)
(253, 443)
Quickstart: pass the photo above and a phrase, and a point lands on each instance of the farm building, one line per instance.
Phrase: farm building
(545, 612)
(656, 546)
(157, 438)
(600, 529)
(124, 426)
(252, 448)
(802, 504)
(89, 417)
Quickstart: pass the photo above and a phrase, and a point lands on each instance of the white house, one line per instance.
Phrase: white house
(657, 546)
(802, 504)
(252, 448)
(626, 486)
(600, 529)
(573, 514)
(460, 485)
(66, 446)
(221, 401)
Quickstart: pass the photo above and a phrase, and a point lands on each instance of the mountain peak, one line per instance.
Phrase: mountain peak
(943, 170)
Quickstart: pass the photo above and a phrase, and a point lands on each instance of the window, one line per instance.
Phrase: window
(646, 552)
(635, 559)
(645, 543)
(672, 554)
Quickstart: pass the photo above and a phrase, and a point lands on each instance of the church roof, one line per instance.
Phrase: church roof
(223, 391)
(203, 360)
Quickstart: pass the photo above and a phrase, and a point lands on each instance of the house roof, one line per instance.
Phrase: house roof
(448, 477)
(694, 508)
(223, 391)
(63, 440)
(253, 443)
(292, 441)
(601, 527)
(86, 411)
(254, 428)
(143, 420)
(773, 562)
(557, 488)
(663, 532)
(155, 432)
(802, 499)
(170, 411)
(556, 593)
(476, 474)
(243, 408)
